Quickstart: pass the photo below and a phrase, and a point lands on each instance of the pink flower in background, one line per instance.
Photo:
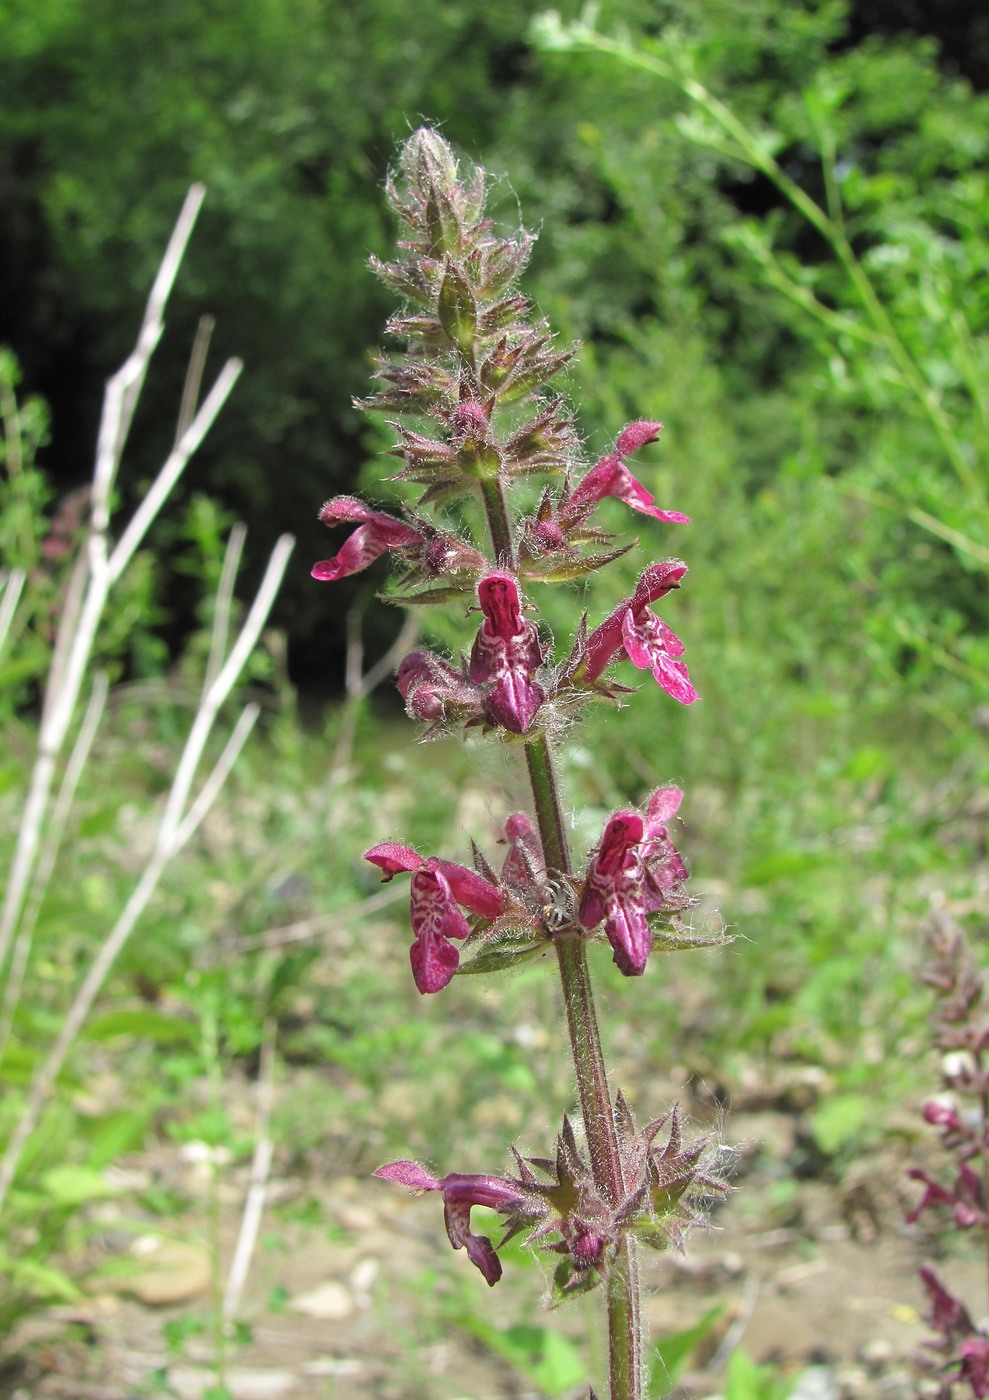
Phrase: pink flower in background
(505, 655)
(633, 631)
(460, 1193)
(974, 1354)
(635, 872)
(439, 887)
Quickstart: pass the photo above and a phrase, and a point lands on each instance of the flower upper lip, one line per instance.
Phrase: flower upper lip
(506, 654)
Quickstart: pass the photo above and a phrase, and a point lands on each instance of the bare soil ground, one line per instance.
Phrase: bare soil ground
(350, 1284)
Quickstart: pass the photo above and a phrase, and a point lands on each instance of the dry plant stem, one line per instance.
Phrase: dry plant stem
(178, 823)
(224, 601)
(96, 571)
(194, 374)
(314, 928)
(260, 1170)
(123, 390)
(597, 1110)
(359, 684)
(60, 703)
(49, 851)
(10, 595)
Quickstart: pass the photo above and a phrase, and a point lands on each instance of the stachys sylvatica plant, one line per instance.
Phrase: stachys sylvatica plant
(476, 419)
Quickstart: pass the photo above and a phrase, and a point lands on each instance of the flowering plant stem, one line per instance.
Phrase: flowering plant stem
(597, 1109)
(473, 365)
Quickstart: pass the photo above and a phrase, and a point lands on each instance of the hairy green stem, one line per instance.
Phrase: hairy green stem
(497, 512)
(597, 1110)
(624, 1333)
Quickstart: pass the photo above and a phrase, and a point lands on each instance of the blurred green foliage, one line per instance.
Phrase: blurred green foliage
(667, 256)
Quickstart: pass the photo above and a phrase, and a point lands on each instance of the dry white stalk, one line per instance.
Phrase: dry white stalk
(123, 390)
(49, 851)
(359, 685)
(95, 572)
(10, 596)
(260, 1169)
(178, 822)
(159, 490)
(214, 697)
(224, 601)
(194, 374)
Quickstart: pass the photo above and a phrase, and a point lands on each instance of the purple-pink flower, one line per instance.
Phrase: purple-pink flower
(633, 631)
(435, 551)
(611, 477)
(460, 1193)
(439, 887)
(974, 1355)
(377, 533)
(506, 655)
(635, 872)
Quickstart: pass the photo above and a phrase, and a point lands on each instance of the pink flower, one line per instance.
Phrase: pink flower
(459, 1194)
(633, 631)
(947, 1313)
(377, 533)
(438, 888)
(505, 655)
(966, 1196)
(974, 1354)
(636, 872)
(611, 477)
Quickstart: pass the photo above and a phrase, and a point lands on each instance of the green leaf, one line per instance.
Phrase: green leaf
(838, 1120)
(672, 1353)
(44, 1280)
(75, 1186)
(547, 1359)
(144, 1024)
(749, 1381)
